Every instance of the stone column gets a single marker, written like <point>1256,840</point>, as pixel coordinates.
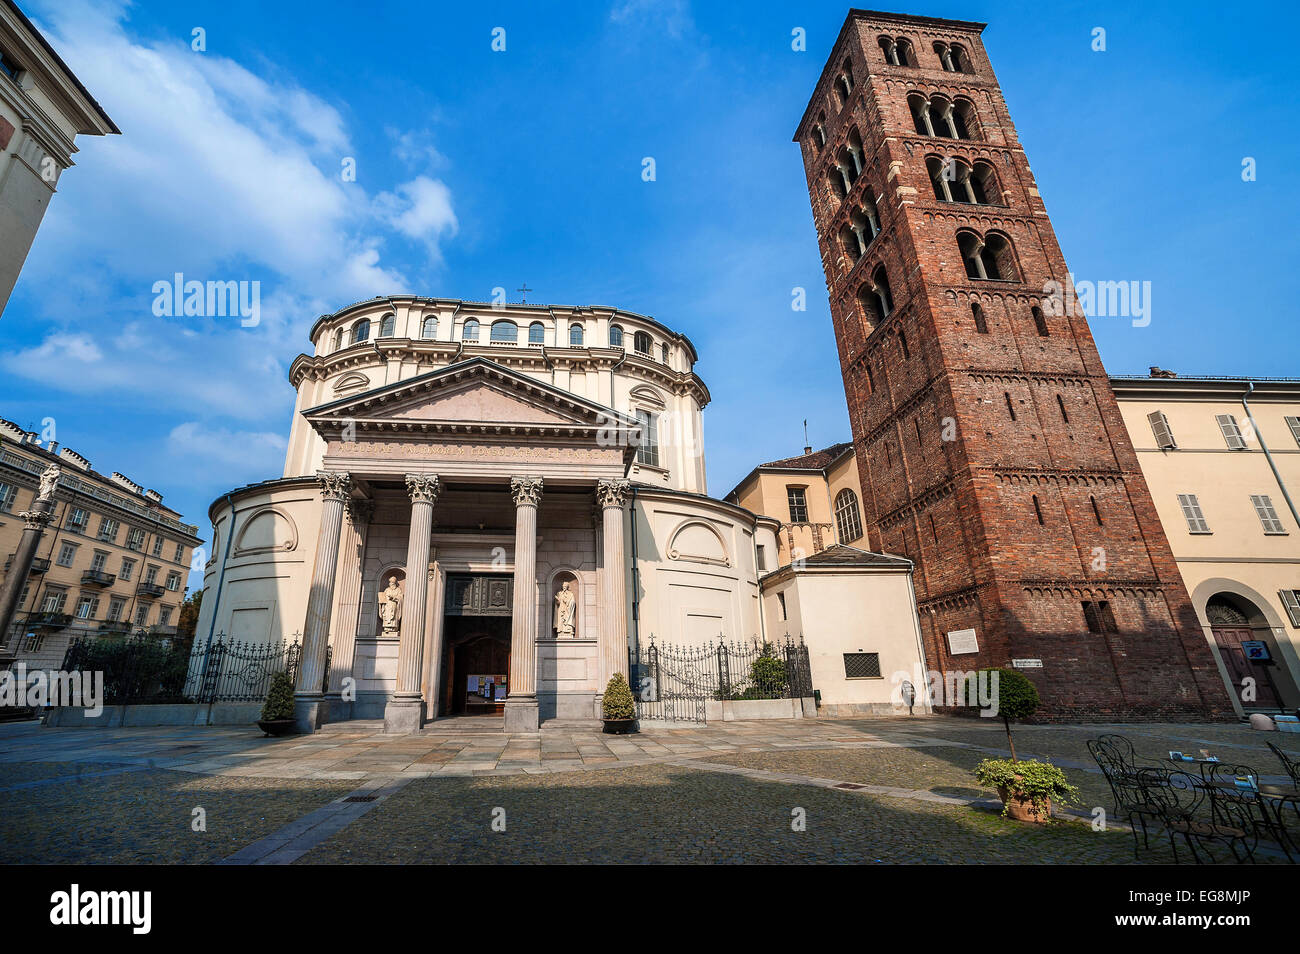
<point>521,702</point>
<point>351,557</point>
<point>405,711</point>
<point>611,495</point>
<point>310,708</point>
<point>34,522</point>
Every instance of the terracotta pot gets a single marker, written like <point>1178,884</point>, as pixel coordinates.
<point>276,726</point>
<point>1022,809</point>
<point>620,726</point>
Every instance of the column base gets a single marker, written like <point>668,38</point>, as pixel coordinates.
<point>310,712</point>
<point>404,715</point>
<point>522,714</point>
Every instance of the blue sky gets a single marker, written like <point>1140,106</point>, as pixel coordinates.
<point>478,169</point>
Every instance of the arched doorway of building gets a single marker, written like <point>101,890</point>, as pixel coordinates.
<point>1235,621</point>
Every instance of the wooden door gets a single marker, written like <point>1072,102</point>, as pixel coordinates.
<point>1228,639</point>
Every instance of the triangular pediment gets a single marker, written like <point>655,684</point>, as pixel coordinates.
<point>474,394</point>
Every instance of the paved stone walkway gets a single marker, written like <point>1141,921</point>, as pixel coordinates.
<point>338,777</point>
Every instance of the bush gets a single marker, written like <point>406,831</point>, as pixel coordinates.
<point>617,702</point>
<point>1037,781</point>
<point>768,674</point>
<point>279,701</point>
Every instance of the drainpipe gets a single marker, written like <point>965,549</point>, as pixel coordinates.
<point>1250,387</point>
<point>920,642</point>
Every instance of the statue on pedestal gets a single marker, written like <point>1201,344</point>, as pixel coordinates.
<point>390,608</point>
<point>565,611</point>
<point>49,480</point>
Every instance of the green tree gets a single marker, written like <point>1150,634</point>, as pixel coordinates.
<point>1015,697</point>
<point>279,701</point>
<point>617,702</point>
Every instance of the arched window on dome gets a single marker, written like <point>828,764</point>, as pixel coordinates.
<point>338,340</point>
<point>848,519</point>
<point>616,336</point>
<point>641,343</point>
<point>361,331</point>
<point>537,333</point>
<point>430,327</point>
<point>663,353</point>
<point>388,326</point>
<point>575,335</point>
<point>470,331</point>
<point>504,332</point>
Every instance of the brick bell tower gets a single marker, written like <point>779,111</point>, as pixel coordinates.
<point>990,447</point>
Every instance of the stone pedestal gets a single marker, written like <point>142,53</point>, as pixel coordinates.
<point>567,674</point>
<point>405,712</point>
<point>521,705</point>
<point>309,708</point>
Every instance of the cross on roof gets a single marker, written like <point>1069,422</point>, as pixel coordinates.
<point>523,293</point>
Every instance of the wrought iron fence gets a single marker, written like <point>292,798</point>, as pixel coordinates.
<point>144,669</point>
<point>673,683</point>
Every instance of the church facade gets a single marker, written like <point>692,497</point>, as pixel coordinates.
<point>484,509</point>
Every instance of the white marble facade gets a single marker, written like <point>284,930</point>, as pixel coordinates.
<point>445,461</point>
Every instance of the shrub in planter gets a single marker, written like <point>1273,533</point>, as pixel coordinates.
<point>1016,698</point>
<point>1026,787</point>
<point>279,701</point>
<point>618,707</point>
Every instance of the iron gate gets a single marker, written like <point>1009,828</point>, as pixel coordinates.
<point>674,683</point>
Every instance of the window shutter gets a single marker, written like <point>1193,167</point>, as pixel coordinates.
<point>1231,433</point>
<point>1294,424</point>
<point>1160,427</point>
<point>1192,512</point>
<point>1291,600</point>
<point>1267,515</point>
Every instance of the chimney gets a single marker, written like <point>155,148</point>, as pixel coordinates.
<point>807,449</point>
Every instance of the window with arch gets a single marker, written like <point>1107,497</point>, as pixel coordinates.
<point>388,326</point>
<point>575,335</point>
<point>953,58</point>
<point>848,519</point>
<point>844,83</point>
<point>663,353</point>
<point>504,332</point>
<point>361,331</point>
<point>953,180</point>
<point>990,258</point>
<point>874,300</point>
<point>641,343</point>
<point>819,133</point>
<point>429,327</point>
<point>898,51</point>
<point>981,323</point>
<point>470,331</point>
<point>536,333</point>
<point>338,340</point>
<point>938,116</point>
<point>616,336</point>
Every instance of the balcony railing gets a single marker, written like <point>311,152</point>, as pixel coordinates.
<point>98,578</point>
<point>150,591</point>
<point>49,620</point>
<point>111,627</point>
<point>39,564</point>
<point>162,629</point>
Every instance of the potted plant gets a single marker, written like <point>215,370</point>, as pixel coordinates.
<point>618,707</point>
<point>1026,787</point>
<point>277,712</point>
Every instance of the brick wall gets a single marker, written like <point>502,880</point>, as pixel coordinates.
<point>998,461</point>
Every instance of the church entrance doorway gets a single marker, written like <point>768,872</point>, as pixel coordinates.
<point>476,637</point>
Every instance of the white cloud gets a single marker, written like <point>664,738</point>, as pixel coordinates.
<point>420,209</point>
<point>673,16</point>
<point>259,453</point>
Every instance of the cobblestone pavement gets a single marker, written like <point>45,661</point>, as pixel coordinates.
<point>709,793</point>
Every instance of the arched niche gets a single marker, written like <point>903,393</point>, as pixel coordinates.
<point>267,530</point>
<point>554,587</point>
<point>698,542</point>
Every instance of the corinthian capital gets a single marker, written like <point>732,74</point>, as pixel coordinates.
<point>35,519</point>
<point>333,485</point>
<point>526,490</point>
<point>612,493</point>
<point>423,488</point>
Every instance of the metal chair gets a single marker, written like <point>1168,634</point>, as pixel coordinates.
<point>1115,757</point>
<point>1291,765</point>
<point>1232,821</point>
